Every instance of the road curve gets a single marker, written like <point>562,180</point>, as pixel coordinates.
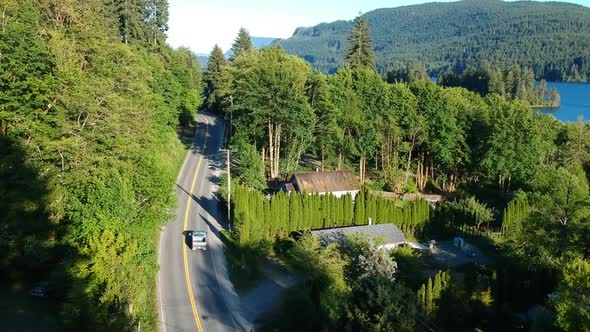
<point>194,290</point>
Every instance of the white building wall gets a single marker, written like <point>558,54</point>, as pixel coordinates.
<point>342,193</point>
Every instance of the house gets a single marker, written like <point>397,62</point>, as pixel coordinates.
<point>391,235</point>
<point>337,183</point>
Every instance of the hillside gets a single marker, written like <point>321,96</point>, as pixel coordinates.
<point>552,38</point>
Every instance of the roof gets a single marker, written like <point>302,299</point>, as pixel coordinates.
<point>388,232</point>
<point>322,182</point>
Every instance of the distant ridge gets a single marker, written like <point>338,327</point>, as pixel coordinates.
<point>551,37</point>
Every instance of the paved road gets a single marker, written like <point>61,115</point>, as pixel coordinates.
<point>195,293</point>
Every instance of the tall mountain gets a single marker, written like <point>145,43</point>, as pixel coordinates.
<point>553,38</point>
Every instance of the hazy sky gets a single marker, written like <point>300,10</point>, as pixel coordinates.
<point>200,24</point>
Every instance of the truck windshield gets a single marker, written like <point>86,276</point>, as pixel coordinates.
<point>199,238</point>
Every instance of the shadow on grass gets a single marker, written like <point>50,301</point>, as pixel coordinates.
<point>242,263</point>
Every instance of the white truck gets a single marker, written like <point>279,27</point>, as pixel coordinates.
<point>199,240</point>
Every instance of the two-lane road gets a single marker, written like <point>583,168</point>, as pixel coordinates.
<point>195,293</point>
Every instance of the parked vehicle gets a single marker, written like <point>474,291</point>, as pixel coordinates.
<point>40,290</point>
<point>199,240</point>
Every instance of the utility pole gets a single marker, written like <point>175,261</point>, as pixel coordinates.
<point>228,189</point>
<point>231,115</point>
<point>227,159</point>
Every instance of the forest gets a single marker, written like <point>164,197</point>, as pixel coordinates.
<point>90,104</point>
<point>512,83</point>
<point>93,102</point>
<point>516,180</point>
<point>550,38</point>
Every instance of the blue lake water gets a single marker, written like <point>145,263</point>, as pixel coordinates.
<point>575,101</point>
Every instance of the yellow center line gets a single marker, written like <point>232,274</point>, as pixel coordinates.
<point>186,214</point>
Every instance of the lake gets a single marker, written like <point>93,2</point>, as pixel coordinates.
<point>575,101</point>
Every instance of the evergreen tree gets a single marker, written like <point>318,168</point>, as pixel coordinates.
<point>318,215</point>
<point>325,223</point>
<point>276,212</point>
<point>266,224</point>
<point>144,21</point>
<point>284,217</point>
<point>437,288</point>
<point>217,81</point>
<point>130,15</point>
<point>242,44</point>
<point>359,209</point>
<point>429,298</point>
<point>295,212</point>
<point>422,298</point>
<point>155,19</point>
<point>360,53</point>
<point>371,208</point>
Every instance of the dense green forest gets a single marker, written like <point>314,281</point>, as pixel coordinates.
<point>511,170</point>
<point>91,98</point>
<point>551,38</point>
<point>513,83</point>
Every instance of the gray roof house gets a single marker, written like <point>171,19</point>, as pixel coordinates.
<point>391,235</point>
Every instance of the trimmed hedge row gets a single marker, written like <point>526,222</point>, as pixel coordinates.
<point>257,217</point>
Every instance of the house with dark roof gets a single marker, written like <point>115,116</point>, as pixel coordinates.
<point>391,235</point>
<point>337,183</point>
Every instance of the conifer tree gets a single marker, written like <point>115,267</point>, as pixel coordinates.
<point>406,215</point>
<point>307,210</point>
<point>371,208</point>
<point>217,81</point>
<point>359,209</point>
<point>330,211</point>
<point>266,225</point>
<point>295,212</point>
<point>422,298</point>
<point>155,20</point>
<point>130,16</point>
<point>437,286</point>
<point>348,212</point>
<point>284,215</point>
<point>360,53</point>
<point>429,298</point>
<point>242,44</point>
<point>257,218</point>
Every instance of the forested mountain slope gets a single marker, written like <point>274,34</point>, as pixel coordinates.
<point>90,101</point>
<point>552,38</point>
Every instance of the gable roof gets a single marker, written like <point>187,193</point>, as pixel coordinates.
<point>388,232</point>
<point>322,182</point>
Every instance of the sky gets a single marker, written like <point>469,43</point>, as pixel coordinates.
<point>200,24</point>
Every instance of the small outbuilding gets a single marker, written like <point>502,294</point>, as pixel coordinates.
<point>389,233</point>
